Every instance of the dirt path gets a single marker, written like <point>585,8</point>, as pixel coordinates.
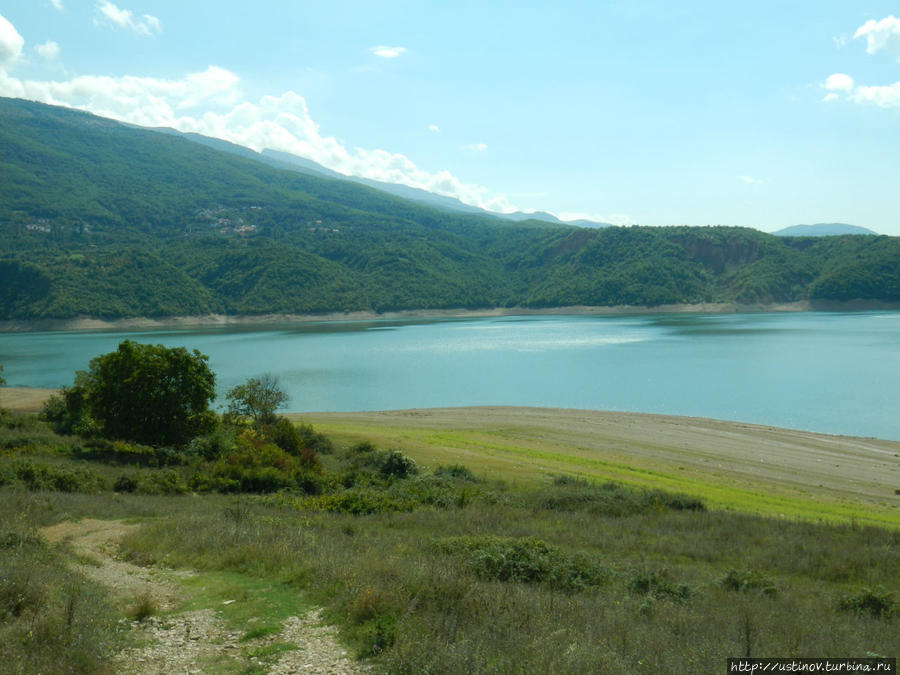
<point>195,641</point>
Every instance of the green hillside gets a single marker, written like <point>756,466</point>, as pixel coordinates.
<point>104,219</point>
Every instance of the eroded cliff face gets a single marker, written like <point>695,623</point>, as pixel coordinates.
<point>720,255</point>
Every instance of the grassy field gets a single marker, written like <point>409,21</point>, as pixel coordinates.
<point>738,467</point>
<point>520,540</point>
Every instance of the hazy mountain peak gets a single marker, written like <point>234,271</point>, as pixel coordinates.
<point>822,230</point>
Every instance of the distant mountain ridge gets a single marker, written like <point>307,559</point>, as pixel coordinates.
<point>418,194</point>
<point>822,230</point>
<point>107,220</point>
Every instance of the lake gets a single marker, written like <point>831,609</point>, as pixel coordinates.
<point>827,372</point>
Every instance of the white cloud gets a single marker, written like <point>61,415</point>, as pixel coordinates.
<point>880,34</point>
<point>152,23</point>
<point>11,42</point>
<point>749,180</point>
<point>839,82</point>
<point>885,96</point>
<point>49,50</point>
<point>386,52</point>
<point>477,147</point>
<point>210,103</point>
<point>435,128</point>
<point>147,25</point>
<point>58,4</point>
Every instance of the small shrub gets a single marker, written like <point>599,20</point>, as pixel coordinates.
<point>611,499</point>
<point>876,602</point>
<point>128,453</point>
<point>18,421</point>
<point>213,445</point>
<point>260,467</point>
<point>161,483</point>
<point>143,608</point>
<point>377,635</point>
<point>367,605</point>
<point>12,539</point>
<point>149,482</point>
<point>397,465</point>
<point>64,411</point>
<point>284,434</point>
<point>390,464</point>
<point>359,502</point>
<point>315,441</point>
<point>457,472</point>
<point>126,483</point>
<point>749,580</point>
<point>657,585</point>
<point>36,476</point>
<point>526,560</point>
<point>565,479</point>
<point>362,448</point>
<point>21,593</point>
<point>426,490</point>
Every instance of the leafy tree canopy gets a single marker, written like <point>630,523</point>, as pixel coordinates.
<point>149,394</point>
<point>257,398</point>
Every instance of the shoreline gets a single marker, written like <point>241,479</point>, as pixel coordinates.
<point>219,320</point>
<point>31,399</point>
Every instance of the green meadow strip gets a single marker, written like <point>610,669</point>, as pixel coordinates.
<point>762,499</point>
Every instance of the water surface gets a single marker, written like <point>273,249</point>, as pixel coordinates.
<point>827,372</point>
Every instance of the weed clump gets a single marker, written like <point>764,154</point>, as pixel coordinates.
<point>455,472</point>
<point>359,501</point>
<point>36,476</point>
<point>875,602</point>
<point>143,608</point>
<point>749,581</point>
<point>166,482</point>
<point>388,463</point>
<point>657,585</point>
<point>526,560</point>
<point>568,493</point>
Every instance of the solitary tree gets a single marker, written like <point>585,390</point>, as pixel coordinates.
<point>145,393</point>
<point>257,398</point>
<point>2,381</point>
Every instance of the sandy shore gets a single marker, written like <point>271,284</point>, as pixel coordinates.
<point>24,399</point>
<point>145,323</point>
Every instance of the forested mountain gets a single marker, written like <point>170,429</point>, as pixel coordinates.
<point>103,219</point>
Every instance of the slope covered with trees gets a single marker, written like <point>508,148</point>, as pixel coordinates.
<point>103,219</point>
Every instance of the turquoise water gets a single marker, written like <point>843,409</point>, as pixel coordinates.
<point>832,373</point>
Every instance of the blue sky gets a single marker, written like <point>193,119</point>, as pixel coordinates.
<point>763,114</point>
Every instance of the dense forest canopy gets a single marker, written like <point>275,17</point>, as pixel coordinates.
<point>107,220</point>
